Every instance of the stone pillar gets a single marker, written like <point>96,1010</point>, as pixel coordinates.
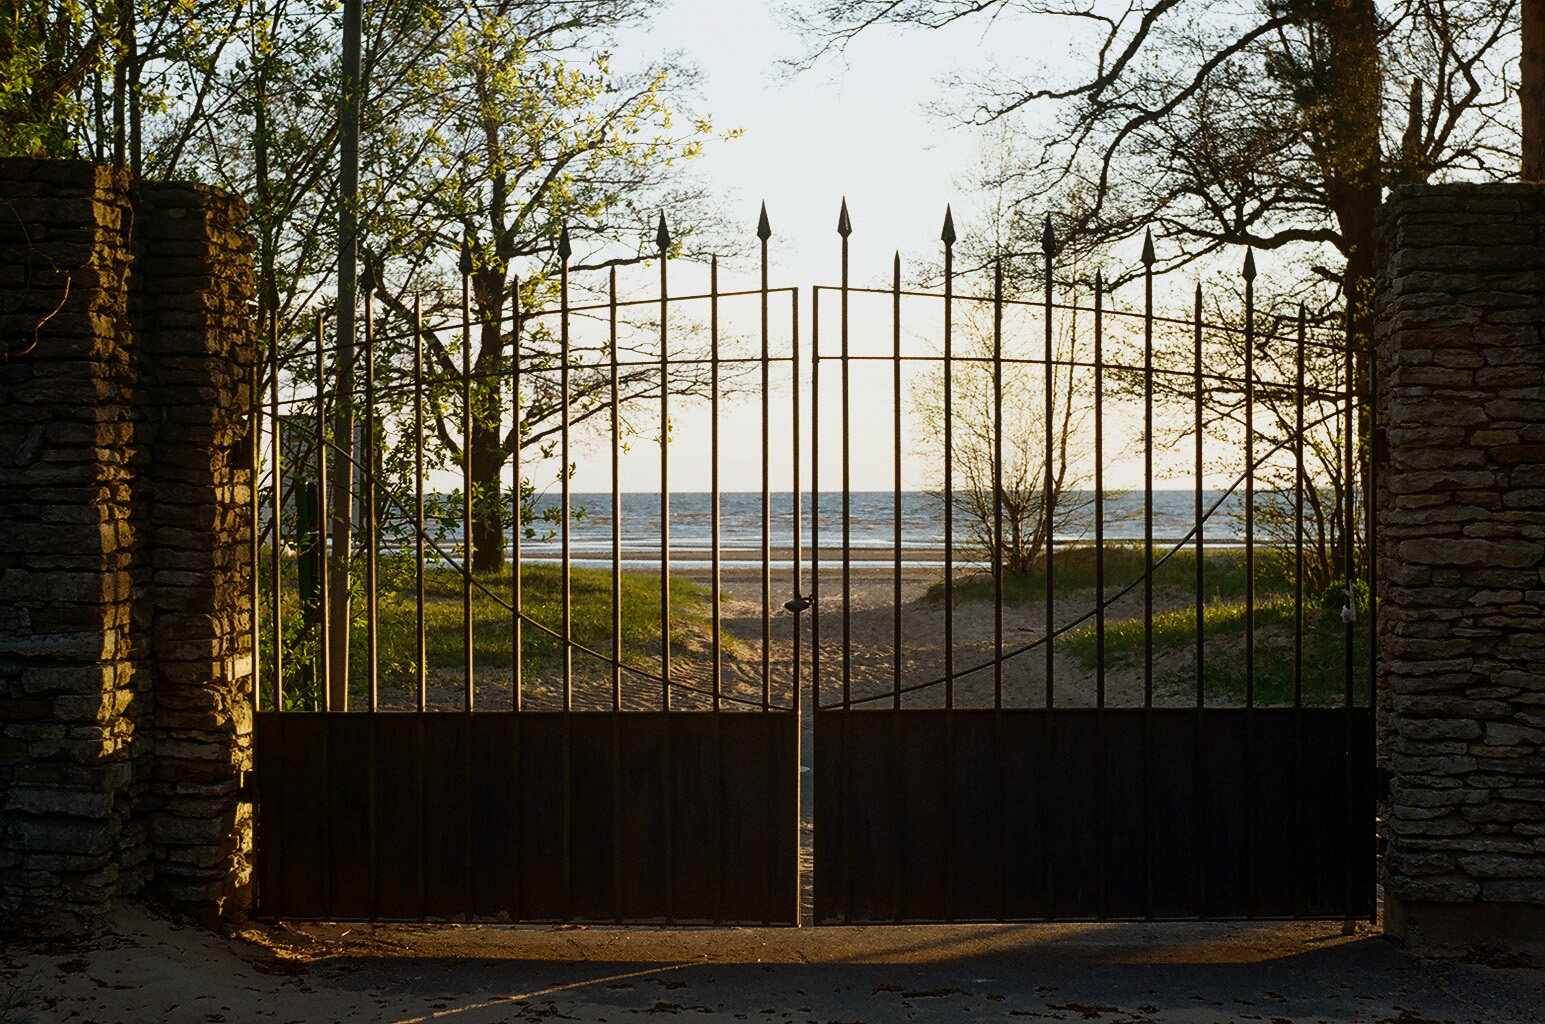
<point>124,567</point>
<point>1461,398</point>
<point>74,676</point>
<point>190,301</point>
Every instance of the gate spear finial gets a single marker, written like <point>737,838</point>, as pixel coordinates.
<point>844,226</point>
<point>947,236</point>
<point>763,229</point>
<point>662,235</point>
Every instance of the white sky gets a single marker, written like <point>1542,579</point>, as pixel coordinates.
<point>855,126</point>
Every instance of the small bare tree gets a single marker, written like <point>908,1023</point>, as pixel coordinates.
<point>999,436</point>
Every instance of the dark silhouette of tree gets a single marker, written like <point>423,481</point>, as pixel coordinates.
<point>1273,125</point>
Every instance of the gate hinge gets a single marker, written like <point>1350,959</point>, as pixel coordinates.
<point>1380,446</point>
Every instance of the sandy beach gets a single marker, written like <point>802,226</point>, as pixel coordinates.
<point>864,642</point>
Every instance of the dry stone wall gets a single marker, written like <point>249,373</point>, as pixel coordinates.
<point>124,567</point>
<point>1461,519</point>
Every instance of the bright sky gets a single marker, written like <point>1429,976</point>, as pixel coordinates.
<point>857,130</point>
<point>854,126</point>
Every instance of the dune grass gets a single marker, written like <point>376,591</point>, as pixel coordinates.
<point>1224,622</point>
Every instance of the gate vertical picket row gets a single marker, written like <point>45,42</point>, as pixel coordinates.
<point>1059,731</point>
<point>616,787</point>
<point>938,798</point>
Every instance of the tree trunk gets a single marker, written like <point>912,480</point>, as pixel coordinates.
<point>487,445</point>
<point>1531,90</point>
<point>1354,182</point>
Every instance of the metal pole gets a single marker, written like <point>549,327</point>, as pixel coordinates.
<point>322,662</point>
<point>276,500</point>
<point>565,250</point>
<point>337,615</point>
<point>468,668</point>
<point>844,229</point>
<point>369,461</point>
<point>1148,261</point>
<point>997,484</point>
<point>947,236</point>
<point>1048,494</point>
<point>418,507</point>
<point>663,242</point>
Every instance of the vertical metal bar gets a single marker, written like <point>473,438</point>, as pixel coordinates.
<point>1148,822</point>
<point>1349,619</point>
<point>663,240</point>
<point>1099,588</point>
<point>998,566</point>
<point>564,251</point>
<point>1198,760</point>
<point>763,233</point>
<point>1148,261</point>
<point>466,473</point>
<point>947,236</point>
<point>421,642</point>
<point>611,320</point>
<point>323,661</point>
<point>1249,275</point>
<point>896,473</point>
<point>716,640</point>
<point>276,499</point>
<point>1298,521</point>
<point>255,525</point>
<point>1250,774</point>
<point>372,528</point>
<point>797,602</point>
<point>1297,809</point>
<point>1048,494</point>
<point>1201,524</point>
<point>1349,520</point>
<point>517,506</point>
<point>1099,500</point>
<point>845,228</point>
<point>715,648</point>
<point>815,498</point>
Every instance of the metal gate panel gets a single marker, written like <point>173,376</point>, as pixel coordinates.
<point>1082,813</point>
<point>602,816</point>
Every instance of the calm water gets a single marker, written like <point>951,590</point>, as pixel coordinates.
<point>872,521</point>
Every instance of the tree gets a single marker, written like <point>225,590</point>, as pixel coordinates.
<point>1273,124</point>
<point>998,435</point>
<point>998,483</point>
<point>1531,91</point>
<point>588,158</point>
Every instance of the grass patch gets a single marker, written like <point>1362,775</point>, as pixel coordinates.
<point>1224,629</point>
<point>1077,568</point>
<point>541,602</point>
<point>1075,574</point>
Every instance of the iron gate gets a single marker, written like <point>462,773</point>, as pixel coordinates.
<point>1114,700</point>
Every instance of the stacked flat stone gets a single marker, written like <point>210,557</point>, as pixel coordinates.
<point>1461,520</point>
<point>124,561</point>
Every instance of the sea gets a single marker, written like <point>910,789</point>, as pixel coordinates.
<point>871,523</point>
